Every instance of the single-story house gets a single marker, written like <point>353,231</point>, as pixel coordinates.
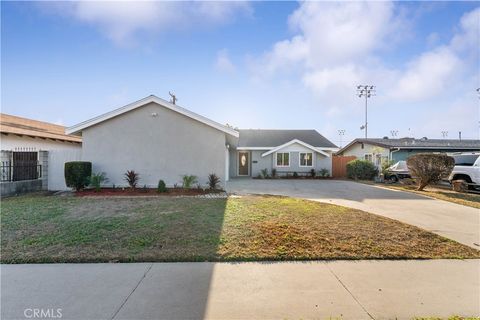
<point>161,140</point>
<point>379,150</point>
<point>32,154</point>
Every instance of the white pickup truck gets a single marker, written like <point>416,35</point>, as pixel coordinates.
<point>467,168</point>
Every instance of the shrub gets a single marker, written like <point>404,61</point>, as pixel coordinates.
<point>295,174</point>
<point>97,179</point>
<point>386,165</point>
<point>77,174</point>
<point>132,178</point>
<point>161,187</point>
<point>324,172</point>
<point>274,173</point>
<point>312,173</point>
<point>429,168</point>
<point>264,173</point>
<point>361,169</point>
<point>189,180</point>
<point>213,181</point>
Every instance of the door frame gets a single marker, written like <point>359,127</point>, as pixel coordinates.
<point>248,163</point>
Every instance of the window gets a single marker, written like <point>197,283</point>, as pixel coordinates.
<point>369,157</point>
<point>378,160</point>
<point>306,159</point>
<point>465,160</point>
<point>283,159</point>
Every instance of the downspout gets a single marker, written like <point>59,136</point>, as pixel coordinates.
<point>391,153</point>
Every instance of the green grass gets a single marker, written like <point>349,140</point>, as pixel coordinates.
<point>39,228</point>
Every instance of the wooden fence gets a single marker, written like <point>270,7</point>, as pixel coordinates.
<point>339,165</point>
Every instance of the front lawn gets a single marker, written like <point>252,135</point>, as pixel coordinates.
<point>466,199</point>
<point>39,228</point>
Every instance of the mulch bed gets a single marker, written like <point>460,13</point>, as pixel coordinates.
<point>143,192</point>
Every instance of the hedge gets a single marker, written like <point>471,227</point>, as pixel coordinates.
<point>361,169</point>
<point>77,174</point>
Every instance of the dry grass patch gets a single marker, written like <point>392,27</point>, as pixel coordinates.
<point>72,229</point>
<point>466,199</point>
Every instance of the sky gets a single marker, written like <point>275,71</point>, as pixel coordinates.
<point>271,65</point>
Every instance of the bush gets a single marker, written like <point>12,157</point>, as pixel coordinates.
<point>361,169</point>
<point>97,179</point>
<point>188,181</point>
<point>161,187</point>
<point>132,178</point>
<point>77,174</point>
<point>295,174</point>
<point>386,165</point>
<point>213,181</point>
<point>429,168</point>
<point>313,173</point>
<point>324,172</point>
<point>264,173</point>
<point>274,173</point>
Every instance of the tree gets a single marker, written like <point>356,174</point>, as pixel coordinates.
<point>428,168</point>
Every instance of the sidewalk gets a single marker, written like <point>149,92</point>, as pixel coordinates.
<point>280,290</point>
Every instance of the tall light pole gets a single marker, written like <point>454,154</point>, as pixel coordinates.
<point>341,133</point>
<point>366,91</point>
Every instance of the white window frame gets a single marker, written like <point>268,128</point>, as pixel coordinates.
<point>300,160</point>
<point>368,154</point>
<point>276,160</point>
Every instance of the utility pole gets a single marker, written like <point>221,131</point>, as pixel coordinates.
<point>445,134</point>
<point>394,133</point>
<point>366,91</point>
<point>341,133</point>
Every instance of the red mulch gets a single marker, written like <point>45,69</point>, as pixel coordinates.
<point>142,192</point>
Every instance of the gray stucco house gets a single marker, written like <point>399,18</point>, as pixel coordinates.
<point>161,140</point>
<point>378,150</point>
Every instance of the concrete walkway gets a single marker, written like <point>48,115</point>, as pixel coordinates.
<point>284,290</point>
<point>457,222</point>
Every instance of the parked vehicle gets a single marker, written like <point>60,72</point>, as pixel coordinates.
<point>397,171</point>
<point>467,169</point>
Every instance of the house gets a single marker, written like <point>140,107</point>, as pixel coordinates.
<point>379,150</point>
<point>32,154</point>
<point>286,151</point>
<point>161,140</point>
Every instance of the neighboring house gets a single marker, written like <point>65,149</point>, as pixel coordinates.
<point>34,150</point>
<point>161,140</point>
<point>286,151</point>
<point>378,150</point>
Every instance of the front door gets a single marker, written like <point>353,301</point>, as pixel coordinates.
<point>243,163</point>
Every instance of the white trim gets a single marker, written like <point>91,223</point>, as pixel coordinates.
<point>368,154</point>
<point>254,148</point>
<point>299,142</point>
<point>248,164</point>
<point>227,164</point>
<point>300,160</point>
<point>76,129</point>
<point>276,163</point>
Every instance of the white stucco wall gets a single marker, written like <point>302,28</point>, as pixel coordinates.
<point>165,146</point>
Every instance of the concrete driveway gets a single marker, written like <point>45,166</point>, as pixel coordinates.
<point>284,290</point>
<point>450,220</point>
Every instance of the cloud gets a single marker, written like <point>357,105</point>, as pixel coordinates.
<point>121,21</point>
<point>223,62</point>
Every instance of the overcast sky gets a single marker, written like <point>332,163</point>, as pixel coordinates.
<point>253,65</point>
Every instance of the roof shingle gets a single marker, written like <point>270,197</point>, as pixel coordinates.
<point>274,138</point>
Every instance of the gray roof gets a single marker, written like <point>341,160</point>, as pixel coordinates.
<point>274,138</point>
<point>411,143</point>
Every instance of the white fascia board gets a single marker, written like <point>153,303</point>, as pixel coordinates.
<point>76,129</point>
<point>254,148</point>
<point>299,142</point>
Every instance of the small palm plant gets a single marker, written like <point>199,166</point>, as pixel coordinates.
<point>213,181</point>
<point>97,179</point>
<point>132,178</point>
<point>189,180</point>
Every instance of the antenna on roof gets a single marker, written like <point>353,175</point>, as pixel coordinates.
<point>445,134</point>
<point>394,133</point>
<point>173,99</point>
